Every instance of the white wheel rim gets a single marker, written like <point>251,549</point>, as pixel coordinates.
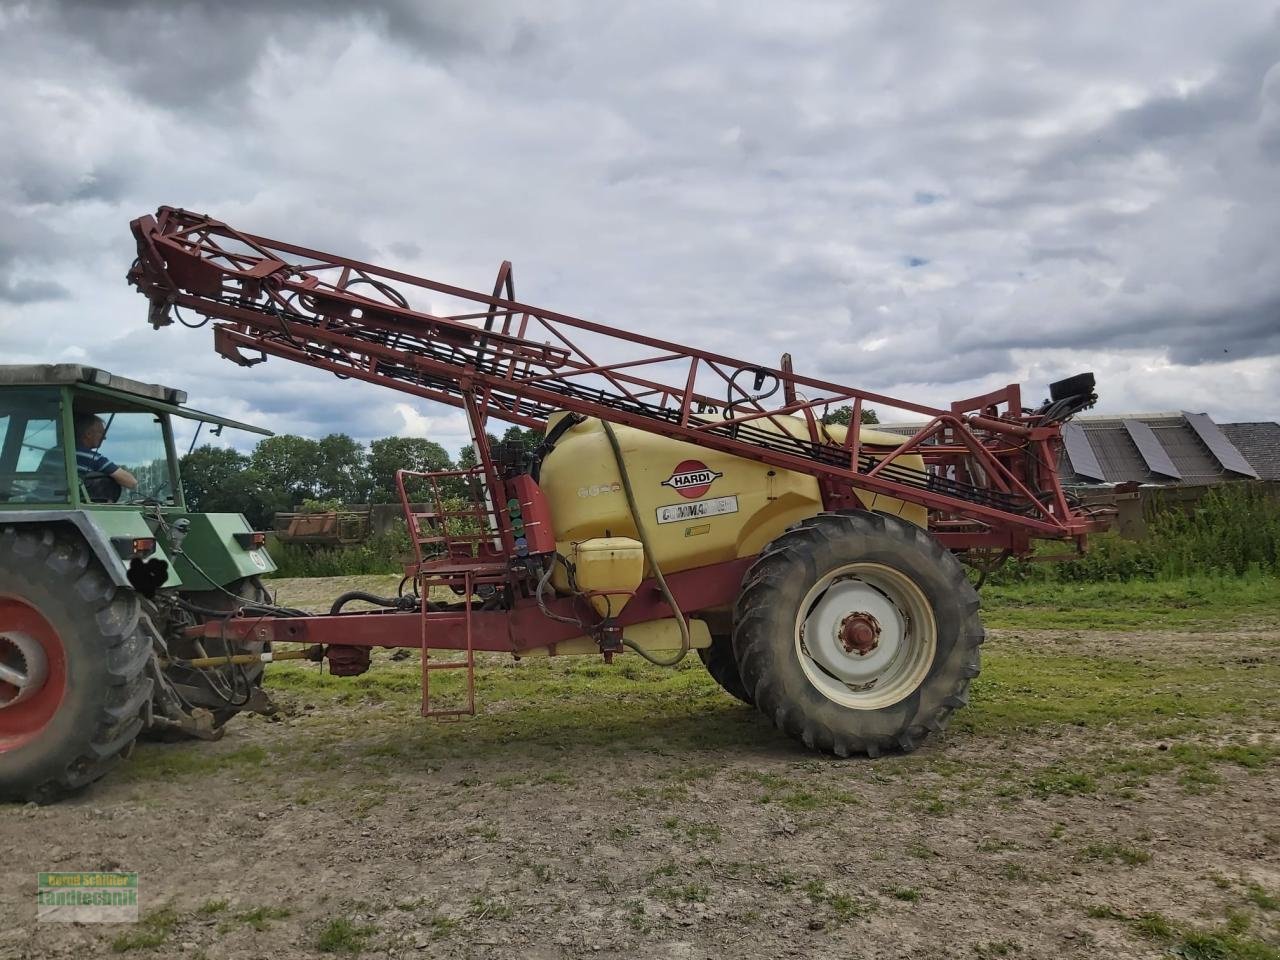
<point>866,636</point>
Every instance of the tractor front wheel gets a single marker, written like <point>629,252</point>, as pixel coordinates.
<point>857,633</point>
<point>74,689</point>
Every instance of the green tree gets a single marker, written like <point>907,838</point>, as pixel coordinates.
<point>288,467</point>
<point>467,455</point>
<point>219,480</point>
<point>525,438</point>
<point>341,469</point>
<point>207,473</point>
<point>842,416</point>
<point>390,454</point>
<point>528,437</point>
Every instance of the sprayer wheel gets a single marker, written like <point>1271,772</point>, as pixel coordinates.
<point>720,663</point>
<point>857,632</point>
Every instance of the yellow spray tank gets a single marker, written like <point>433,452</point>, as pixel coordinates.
<point>699,506</point>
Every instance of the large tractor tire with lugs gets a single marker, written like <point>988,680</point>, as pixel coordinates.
<point>857,633</point>
<point>241,682</point>
<point>74,648</point>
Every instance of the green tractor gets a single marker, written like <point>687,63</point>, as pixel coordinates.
<point>102,568</point>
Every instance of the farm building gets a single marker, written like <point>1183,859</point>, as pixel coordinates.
<point>1127,462</point>
<point>1168,449</point>
<point>1159,449</point>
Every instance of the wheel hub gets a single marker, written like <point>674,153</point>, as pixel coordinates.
<point>33,673</point>
<point>860,633</point>
<point>854,632</point>
<point>866,635</point>
<point>23,668</point>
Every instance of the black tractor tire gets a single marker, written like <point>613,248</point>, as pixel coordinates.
<point>106,646</point>
<point>768,640</point>
<point>720,663</point>
<point>245,589</point>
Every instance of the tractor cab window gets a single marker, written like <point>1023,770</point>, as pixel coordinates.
<point>113,447</point>
<point>33,467</point>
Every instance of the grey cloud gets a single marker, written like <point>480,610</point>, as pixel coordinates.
<point>189,53</point>
<point>20,292</point>
<point>405,249</point>
<point>26,247</point>
<point>1083,254</point>
<point>749,179</point>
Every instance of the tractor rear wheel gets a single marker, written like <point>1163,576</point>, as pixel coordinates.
<point>857,633</point>
<point>74,648</point>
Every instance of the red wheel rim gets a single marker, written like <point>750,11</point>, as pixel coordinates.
<point>22,722</point>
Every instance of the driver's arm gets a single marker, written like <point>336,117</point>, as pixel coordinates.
<point>119,474</point>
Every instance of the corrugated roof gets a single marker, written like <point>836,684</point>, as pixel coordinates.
<point>1117,453</point>
<point>1100,448</point>
<point>1259,443</point>
<point>1169,449</point>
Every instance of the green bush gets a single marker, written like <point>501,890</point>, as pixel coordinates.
<point>1234,530</point>
<point>385,554</point>
<point>332,505</point>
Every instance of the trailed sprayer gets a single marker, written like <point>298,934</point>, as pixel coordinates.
<point>679,499</point>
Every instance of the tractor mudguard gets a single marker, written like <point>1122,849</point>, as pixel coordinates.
<point>213,557</point>
<point>210,542</point>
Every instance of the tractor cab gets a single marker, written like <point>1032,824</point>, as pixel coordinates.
<point>78,437</point>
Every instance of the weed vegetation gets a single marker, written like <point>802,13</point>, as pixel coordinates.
<point>385,554</point>
<point>1234,530</point>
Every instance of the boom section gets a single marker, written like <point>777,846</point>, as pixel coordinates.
<point>990,474</point>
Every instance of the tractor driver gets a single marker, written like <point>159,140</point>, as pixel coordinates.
<point>101,478</point>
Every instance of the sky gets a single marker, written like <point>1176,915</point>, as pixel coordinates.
<point>923,200</point>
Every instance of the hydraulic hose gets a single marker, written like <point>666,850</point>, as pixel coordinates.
<point>542,587</point>
<point>246,608</point>
<point>400,603</point>
<point>685,640</point>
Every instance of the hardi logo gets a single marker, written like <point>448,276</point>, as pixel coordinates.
<point>691,478</point>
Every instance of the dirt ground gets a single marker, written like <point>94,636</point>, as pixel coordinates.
<point>634,814</point>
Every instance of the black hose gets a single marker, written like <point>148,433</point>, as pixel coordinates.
<point>246,608</point>
<point>542,586</point>
<point>400,603</point>
<point>685,640</point>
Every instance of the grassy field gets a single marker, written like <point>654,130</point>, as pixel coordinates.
<point>1110,791</point>
<point>1202,603</point>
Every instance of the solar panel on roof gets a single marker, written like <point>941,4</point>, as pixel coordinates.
<point>1157,459</point>
<point>1083,460</point>
<point>1218,444</point>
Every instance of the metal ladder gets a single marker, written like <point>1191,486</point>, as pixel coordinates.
<point>430,665</point>
<point>460,561</point>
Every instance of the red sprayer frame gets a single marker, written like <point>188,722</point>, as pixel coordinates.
<point>990,481</point>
